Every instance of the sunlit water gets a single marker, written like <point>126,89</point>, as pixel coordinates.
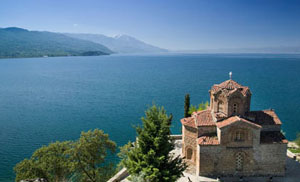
<point>47,99</point>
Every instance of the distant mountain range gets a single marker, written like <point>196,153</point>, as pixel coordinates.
<point>18,42</point>
<point>120,43</point>
<point>257,50</point>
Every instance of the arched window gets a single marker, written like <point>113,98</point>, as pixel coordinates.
<point>239,161</point>
<point>239,136</point>
<point>189,153</point>
<point>220,106</point>
<point>235,108</point>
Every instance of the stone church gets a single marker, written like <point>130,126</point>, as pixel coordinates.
<point>228,139</point>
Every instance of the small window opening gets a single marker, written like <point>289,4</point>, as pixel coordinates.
<point>239,136</point>
<point>239,161</point>
<point>220,106</point>
<point>189,154</point>
<point>235,108</point>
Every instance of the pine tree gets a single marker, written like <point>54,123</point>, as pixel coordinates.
<point>187,105</point>
<point>151,154</point>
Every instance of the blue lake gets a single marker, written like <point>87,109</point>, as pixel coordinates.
<point>47,99</point>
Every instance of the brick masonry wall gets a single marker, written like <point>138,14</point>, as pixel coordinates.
<point>252,135</point>
<point>272,159</point>
<point>260,160</point>
<point>189,141</point>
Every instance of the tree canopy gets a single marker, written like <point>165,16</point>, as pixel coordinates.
<point>201,107</point>
<point>88,155</point>
<point>48,162</point>
<point>150,155</point>
<point>81,160</point>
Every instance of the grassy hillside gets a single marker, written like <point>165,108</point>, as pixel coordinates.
<point>17,42</point>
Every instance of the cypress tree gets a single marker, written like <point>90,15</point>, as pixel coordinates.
<point>187,105</point>
<point>151,154</point>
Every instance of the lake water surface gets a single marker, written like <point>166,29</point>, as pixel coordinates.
<point>47,99</point>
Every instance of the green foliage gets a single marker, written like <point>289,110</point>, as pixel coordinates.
<point>151,153</point>
<point>88,156</point>
<point>49,162</point>
<point>297,150</point>
<point>192,109</point>
<point>81,160</point>
<point>187,105</point>
<point>27,170</point>
<point>139,178</point>
<point>17,42</point>
<point>201,107</point>
<point>124,150</point>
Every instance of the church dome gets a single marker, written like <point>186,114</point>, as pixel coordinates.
<point>229,86</point>
<point>229,98</point>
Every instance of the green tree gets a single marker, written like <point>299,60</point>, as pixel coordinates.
<point>124,150</point>
<point>88,156</point>
<point>187,105</point>
<point>201,107</point>
<point>49,162</point>
<point>82,160</point>
<point>151,154</point>
<point>192,109</point>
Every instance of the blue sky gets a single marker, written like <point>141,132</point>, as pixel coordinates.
<point>172,24</point>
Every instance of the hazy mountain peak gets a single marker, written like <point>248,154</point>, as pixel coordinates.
<point>120,43</point>
<point>124,37</point>
<point>15,29</point>
<point>118,36</point>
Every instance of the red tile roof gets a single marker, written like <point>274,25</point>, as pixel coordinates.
<point>190,121</point>
<point>199,118</point>
<point>265,117</point>
<point>234,119</point>
<point>230,85</point>
<point>208,140</point>
<point>204,118</point>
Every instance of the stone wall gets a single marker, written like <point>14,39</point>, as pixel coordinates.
<point>189,143</point>
<point>251,135</point>
<point>238,99</point>
<point>221,103</point>
<point>272,159</point>
<point>255,158</point>
<point>259,160</point>
<point>208,157</point>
